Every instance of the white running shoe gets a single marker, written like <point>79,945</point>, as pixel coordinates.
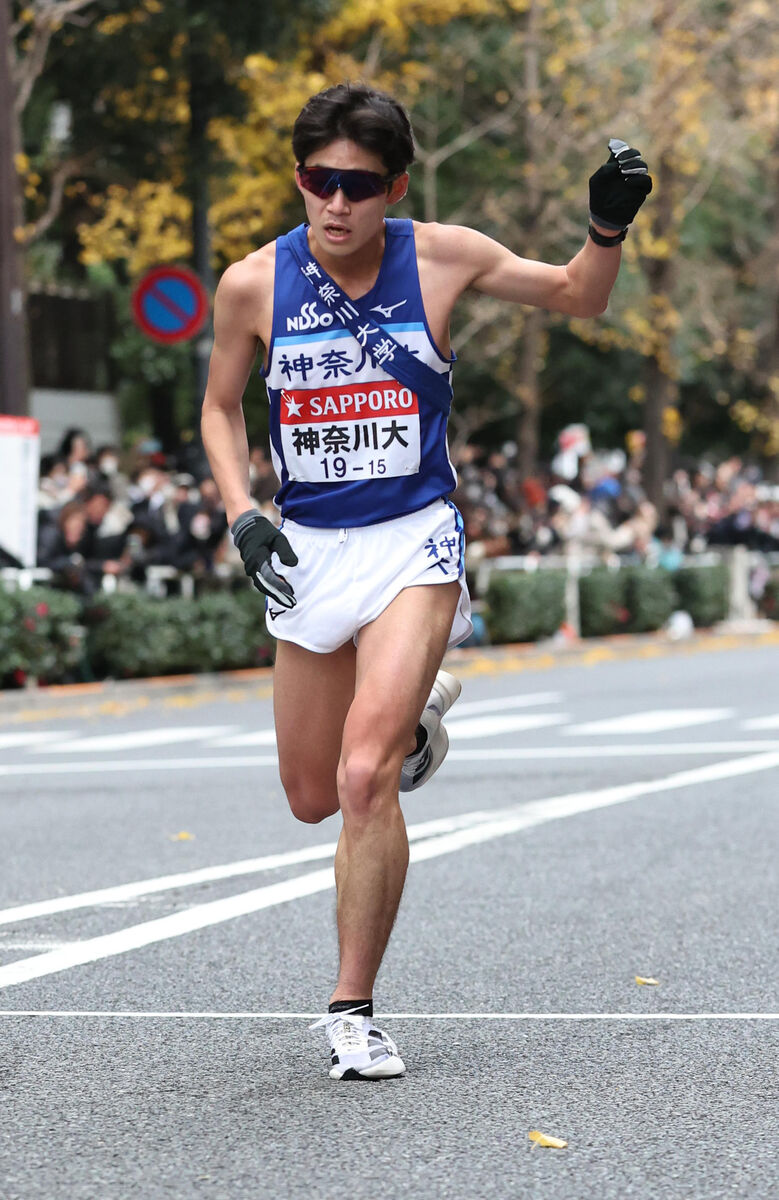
<point>358,1050</point>
<point>423,764</point>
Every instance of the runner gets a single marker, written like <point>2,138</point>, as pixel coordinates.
<point>352,311</point>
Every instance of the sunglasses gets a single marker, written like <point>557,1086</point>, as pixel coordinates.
<point>355,185</point>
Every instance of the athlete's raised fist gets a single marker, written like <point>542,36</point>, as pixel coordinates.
<point>619,187</point>
<point>257,539</point>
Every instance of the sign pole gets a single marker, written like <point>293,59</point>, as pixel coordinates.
<point>13,339</point>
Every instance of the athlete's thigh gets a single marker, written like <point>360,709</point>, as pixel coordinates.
<point>398,656</point>
<point>311,697</point>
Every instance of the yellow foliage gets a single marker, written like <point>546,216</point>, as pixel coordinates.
<point>22,163</point>
<point>395,19</point>
<point>144,225</point>
<point>672,425</point>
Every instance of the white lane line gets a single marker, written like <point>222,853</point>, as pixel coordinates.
<point>124,892</point>
<point>501,823</point>
<point>36,944</point>
<point>653,721</point>
<point>490,726</point>
<point>99,767</point>
<point>502,703</point>
<point>651,750</point>
<point>771,722</point>
<point>10,740</point>
<point>135,738</point>
<point>123,1015</point>
<point>257,737</point>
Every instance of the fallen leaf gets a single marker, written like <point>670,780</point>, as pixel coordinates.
<point>182,837</point>
<point>543,1139</point>
<point>650,982</point>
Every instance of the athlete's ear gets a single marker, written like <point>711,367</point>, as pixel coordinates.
<point>398,189</point>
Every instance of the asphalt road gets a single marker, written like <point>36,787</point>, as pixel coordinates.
<point>595,821</point>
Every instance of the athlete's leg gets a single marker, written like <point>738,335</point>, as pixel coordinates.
<point>311,697</point>
<point>397,659</point>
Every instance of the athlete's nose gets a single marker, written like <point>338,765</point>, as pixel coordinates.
<point>338,202</point>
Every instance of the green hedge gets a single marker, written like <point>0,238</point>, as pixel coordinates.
<point>525,606</point>
<point>55,637</point>
<point>703,592</point>
<point>769,601</point>
<point>135,635</point>
<point>41,636</point>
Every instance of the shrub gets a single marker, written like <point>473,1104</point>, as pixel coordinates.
<point>603,602</point>
<point>138,635</point>
<point>525,606</point>
<point>769,601</point>
<point>40,636</point>
<point>703,592</point>
<point>650,598</point>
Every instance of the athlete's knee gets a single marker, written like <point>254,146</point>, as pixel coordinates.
<point>367,780</point>
<point>308,800</point>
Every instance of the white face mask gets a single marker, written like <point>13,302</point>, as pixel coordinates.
<point>200,527</point>
<point>109,466</point>
<point>147,483</point>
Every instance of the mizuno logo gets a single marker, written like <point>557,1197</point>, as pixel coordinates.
<point>387,310</point>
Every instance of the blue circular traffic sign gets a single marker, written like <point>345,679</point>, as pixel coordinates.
<point>170,304</point>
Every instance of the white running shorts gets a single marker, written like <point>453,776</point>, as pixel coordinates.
<point>346,577</point>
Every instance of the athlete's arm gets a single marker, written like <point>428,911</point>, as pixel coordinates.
<point>235,349</point>
<point>582,287</point>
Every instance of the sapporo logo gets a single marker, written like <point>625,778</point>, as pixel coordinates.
<point>309,318</point>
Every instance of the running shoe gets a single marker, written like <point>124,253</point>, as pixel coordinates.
<point>423,764</point>
<point>358,1050</point>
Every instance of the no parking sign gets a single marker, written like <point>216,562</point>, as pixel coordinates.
<point>170,304</point>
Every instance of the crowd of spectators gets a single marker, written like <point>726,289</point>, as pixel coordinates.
<point>104,513</point>
<point>592,504</point>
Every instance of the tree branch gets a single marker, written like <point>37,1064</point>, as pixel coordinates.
<point>65,171</point>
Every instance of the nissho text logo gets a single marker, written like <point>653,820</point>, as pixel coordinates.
<point>309,318</point>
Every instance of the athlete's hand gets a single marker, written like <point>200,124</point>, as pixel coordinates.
<point>619,187</point>
<point>257,538</point>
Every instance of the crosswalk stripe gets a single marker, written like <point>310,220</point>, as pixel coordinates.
<point>9,741</point>
<point>652,721</point>
<point>256,737</point>
<point>502,703</point>
<point>135,738</point>
<point>489,726</point>
<point>771,722</point>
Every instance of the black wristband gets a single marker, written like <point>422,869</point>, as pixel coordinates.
<point>600,239</point>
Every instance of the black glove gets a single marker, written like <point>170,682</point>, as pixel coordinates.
<point>257,538</point>
<point>619,187</point>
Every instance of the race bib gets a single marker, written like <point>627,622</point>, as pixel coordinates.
<point>359,431</point>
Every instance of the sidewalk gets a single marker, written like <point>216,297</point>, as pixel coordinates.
<point>118,697</point>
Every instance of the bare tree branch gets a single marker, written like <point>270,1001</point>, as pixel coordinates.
<point>65,171</point>
<point>49,15</point>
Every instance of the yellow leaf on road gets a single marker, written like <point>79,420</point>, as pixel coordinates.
<point>182,837</point>
<point>543,1139</point>
<point>651,982</point>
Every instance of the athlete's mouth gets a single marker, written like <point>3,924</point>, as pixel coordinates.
<point>334,227</point>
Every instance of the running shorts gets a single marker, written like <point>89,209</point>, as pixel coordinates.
<point>346,577</point>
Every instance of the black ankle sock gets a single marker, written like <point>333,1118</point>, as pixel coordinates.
<point>362,1008</point>
<point>421,739</point>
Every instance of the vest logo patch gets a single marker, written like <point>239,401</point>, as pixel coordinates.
<point>309,318</point>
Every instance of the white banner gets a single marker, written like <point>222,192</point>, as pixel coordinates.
<point>19,462</point>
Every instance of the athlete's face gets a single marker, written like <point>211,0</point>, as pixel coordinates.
<point>339,225</point>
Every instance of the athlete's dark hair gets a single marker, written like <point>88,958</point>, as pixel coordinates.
<point>372,119</point>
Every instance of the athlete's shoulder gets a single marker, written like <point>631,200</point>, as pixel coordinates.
<point>448,243</point>
<point>249,273</point>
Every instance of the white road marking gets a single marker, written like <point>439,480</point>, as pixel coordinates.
<point>257,737</point>
<point>252,761</point>
<point>501,823</point>
<point>135,738</point>
<point>479,727</point>
<point>36,944</point>
<point>627,750</point>
<point>771,722</point>
<point>122,1015</point>
<point>10,740</point>
<point>127,892</point>
<point>653,721</point>
<point>502,703</point>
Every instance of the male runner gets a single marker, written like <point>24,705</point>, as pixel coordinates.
<point>372,590</point>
